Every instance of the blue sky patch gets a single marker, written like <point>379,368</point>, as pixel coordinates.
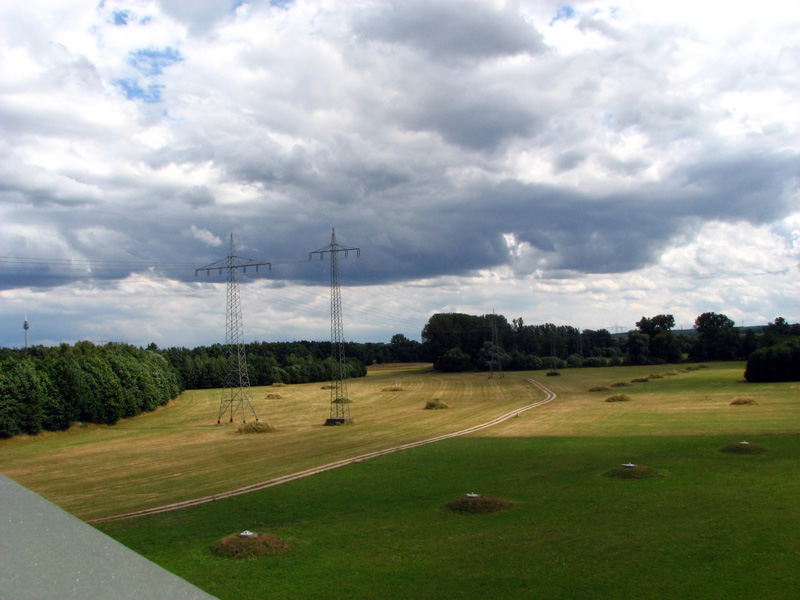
<point>121,17</point>
<point>564,12</point>
<point>133,91</point>
<point>149,61</point>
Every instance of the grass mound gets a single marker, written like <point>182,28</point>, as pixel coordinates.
<point>342,401</point>
<point>598,388</point>
<point>274,397</point>
<point>743,401</point>
<point>618,398</point>
<point>640,380</point>
<point>743,448</point>
<point>255,427</point>
<point>655,376</point>
<point>392,388</point>
<point>621,384</point>
<point>233,546</point>
<point>435,404</point>
<point>632,472</point>
<point>477,505</point>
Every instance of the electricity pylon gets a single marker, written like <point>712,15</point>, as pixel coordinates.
<point>495,359</point>
<point>340,403</point>
<point>236,395</point>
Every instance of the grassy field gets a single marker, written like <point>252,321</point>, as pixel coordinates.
<point>713,525</point>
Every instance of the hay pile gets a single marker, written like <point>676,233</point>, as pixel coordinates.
<point>435,404</point>
<point>632,472</point>
<point>743,401</point>
<point>477,505</point>
<point>233,546</point>
<point>255,427</point>
<point>743,448</point>
<point>618,398</point>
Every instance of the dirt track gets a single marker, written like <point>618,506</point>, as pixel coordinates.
<point>550,396</point>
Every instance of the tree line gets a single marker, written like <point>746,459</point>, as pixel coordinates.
<point>461,342</point>
<point>51,388</point>
<point>269,362</point>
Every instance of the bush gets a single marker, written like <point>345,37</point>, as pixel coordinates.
<point>594,361</point>
<point>274,397</point>
<point>621,384</point>
<point>775,363</point>
<point>618,398</point>
<point>598,388</point>
<point>640,380</point>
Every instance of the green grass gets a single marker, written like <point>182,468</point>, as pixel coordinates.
<point>713,526</point>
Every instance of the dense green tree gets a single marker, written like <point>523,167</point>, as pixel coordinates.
<point>638,348</point>
<point>717,338</point>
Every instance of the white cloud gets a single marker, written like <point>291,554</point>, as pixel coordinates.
<point>600,164</point>
<point>204,235</point>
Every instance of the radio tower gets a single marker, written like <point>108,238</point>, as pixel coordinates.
<point>236,396</point>
<point>495,360</point>
<point>340,403</point>
<point>26,326</point>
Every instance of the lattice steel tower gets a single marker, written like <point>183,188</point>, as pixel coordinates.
<point>340,402</point>
<point>236,396</point>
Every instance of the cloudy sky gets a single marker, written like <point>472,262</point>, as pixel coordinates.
<point>583,163</point>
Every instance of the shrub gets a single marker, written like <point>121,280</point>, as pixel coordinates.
<point>477,505</point>
<point>553,373</point>
<point>233,546</point>
<point>640,380</point>
<point>274,397</point>
<point>342,401</point>
<point>435,404</point>
<point>255,427</point>
<point>621,384</point>
<point>618,398</point>
<point>598,388</point>
<point>655,376</point>
<point>594,361</point>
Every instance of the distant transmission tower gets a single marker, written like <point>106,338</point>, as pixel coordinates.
<point>26,326</point>
<point>340,403</point>
<point>495,360</point>
<point>236,396</point>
